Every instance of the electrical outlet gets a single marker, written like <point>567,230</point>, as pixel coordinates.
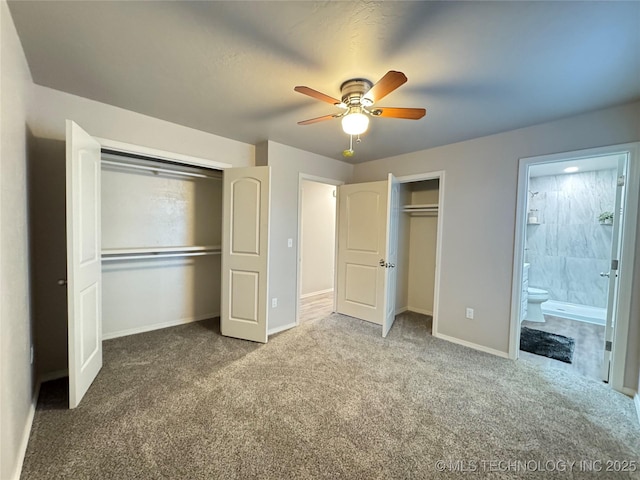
<point>469,313</point>
<point>290,242</point>
<point>274,302</point>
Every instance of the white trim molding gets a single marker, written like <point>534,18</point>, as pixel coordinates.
<point>281,328</point>
<point>626,255</point>
<point>319,292</point>
<point>26,433</point>
<point>158,326</point>
<point>474,346</point>
<point>160,154</point>
<point>636,402</point>
<point>419,310</point>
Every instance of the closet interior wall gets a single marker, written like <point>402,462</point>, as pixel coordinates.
<point>161,235</point>
<point>417,235</point>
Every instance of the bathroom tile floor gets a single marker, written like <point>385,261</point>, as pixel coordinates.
<point>587,357</point>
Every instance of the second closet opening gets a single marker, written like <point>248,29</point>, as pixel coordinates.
<point>417,246</point>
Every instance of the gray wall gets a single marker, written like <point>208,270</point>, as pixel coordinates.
<point>16,373</point>
<point>479,216</point>
<point>287,163</point>
<point>569,248</point>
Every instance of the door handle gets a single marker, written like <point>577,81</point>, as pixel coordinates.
<point>604,274</point>
<point>385,264</point>
<point>62,282</point>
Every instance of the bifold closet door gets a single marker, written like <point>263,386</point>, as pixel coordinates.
<point>245,253</point>
<point>84,273</point>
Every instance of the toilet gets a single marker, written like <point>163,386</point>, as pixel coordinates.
<point>535,298</point>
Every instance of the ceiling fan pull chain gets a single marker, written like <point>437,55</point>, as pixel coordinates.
<point>349,152</point>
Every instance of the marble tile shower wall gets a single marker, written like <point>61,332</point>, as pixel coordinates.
<point>569,248</point>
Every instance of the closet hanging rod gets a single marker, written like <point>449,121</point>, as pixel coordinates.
<point>156,250</point>
<point>423,213</point>
<point>159,170</point>
<point>156,255</point>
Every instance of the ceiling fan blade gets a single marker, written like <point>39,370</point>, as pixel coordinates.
<point>385,85</point>
<point>318,119</point>
<point>393,112</point>
<point>317,95</point>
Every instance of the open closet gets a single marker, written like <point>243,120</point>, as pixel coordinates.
<point>417,241</point>
<point>161,237</point>
<point>387,248</point>
<point>154,240</point>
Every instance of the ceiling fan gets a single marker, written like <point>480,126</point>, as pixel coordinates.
<point>358,97</point>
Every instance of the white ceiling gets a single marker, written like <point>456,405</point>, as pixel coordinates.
<point>229,68</point>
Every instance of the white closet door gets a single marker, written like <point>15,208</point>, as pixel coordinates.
<point>362,238</point>
<point>391,271</point>
<point>245,237</point>
<point>84,274</point>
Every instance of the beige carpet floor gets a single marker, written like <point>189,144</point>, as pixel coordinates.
<point>329,399</point>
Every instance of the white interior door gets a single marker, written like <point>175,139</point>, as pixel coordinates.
<point>612,274</point>
<point>391,256</point>
<point>84,271</point>
<point>362,246</point>
<point>245,253</point>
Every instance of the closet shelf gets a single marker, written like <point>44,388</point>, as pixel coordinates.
<point>422,208</point>
<point>113,254</point>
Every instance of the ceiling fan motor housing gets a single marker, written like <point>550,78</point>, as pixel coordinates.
<point>353,90</point>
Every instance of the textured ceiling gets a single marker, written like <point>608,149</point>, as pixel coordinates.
<point>229,68</point>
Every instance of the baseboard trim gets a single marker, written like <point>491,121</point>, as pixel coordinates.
<point>636,401</point>
<point>281,328</point>
<point>475,346</point>
<point>401,310</point>
<point>420,310</point>
<point>24,442</point>
<point>319,292</point>
<point>157,326</point>
<point>629,392</point>
<point>55,375</point>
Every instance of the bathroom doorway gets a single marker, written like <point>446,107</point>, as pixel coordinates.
<point>316,247</point>
<point>574,261</point>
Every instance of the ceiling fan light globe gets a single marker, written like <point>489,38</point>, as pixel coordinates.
<point>355,123</point>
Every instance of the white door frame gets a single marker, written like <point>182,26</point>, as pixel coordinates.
<point>123,147</point>
<point>326,181</point>
<point>628,232</point>
<point>130,148</point>
<point>436,175</point>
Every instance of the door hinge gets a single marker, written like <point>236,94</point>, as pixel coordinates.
<point>614,264</point>
<point>621,181</point>
<point>607,346</point>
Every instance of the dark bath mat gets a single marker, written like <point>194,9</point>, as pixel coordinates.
<point>547,344</point>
